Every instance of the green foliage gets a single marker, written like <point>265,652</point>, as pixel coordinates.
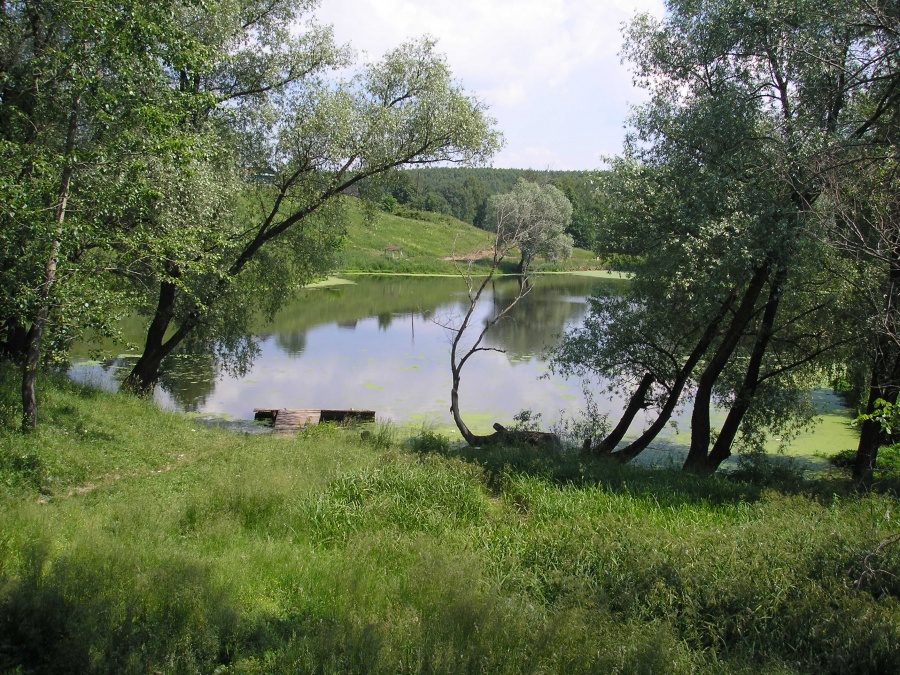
<point>381,437</point>
<point>526,420</point>
<point>532,218</point>
<point>885,414</point>
<point>887,467</point>
<point>97,70</point>
<point>430,441</point>
<point>590,423</point>
<point>388,203</point>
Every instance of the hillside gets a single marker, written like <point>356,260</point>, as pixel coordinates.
<point>428,241</point>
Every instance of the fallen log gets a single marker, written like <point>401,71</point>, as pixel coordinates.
<point>502,435</point>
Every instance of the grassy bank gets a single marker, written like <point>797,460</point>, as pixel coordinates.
<point>427,242</point>
<point>133,540</point>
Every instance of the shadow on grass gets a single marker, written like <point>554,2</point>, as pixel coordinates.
<point>572,468</point>
<point>668,486</point>
<point>113,612</point>
<point>91,611</point>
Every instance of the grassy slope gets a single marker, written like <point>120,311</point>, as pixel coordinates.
<point>424,243</point>
<point>159,546</point>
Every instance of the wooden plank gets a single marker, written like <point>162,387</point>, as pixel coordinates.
<point>347,415</point>
<point>287,421</point>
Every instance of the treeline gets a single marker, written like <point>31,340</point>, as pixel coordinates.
<point>463,193</point>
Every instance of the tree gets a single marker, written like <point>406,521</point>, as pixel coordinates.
<point>714,193</point>
<point>318,139</point>
<point>81,107</point>
<point>517,218</point>
<point>535,217</point>
<point>582,190</point>
<point>859,218</point>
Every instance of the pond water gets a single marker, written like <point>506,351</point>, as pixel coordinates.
<point>379,343</point>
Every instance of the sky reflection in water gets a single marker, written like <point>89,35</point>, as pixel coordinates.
<point>379,344</point>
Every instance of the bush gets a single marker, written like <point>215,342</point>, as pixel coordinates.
<point>429,441</point>
<point>887,466</point>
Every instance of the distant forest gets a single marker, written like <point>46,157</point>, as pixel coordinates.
<point>463,193</point>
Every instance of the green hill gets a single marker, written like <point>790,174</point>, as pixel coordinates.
<point>428,241</point>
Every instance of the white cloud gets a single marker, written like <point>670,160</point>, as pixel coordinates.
<point>537,63</point>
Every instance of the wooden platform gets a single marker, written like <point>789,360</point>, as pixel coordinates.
<point>287,421</point>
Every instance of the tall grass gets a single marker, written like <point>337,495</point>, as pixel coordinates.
<point>166,547</point>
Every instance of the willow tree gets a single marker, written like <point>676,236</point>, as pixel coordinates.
<point>261,214</point>
<point>535,218</point>
<point>714,192</point>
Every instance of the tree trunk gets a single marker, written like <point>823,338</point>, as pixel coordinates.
<point>871,438</point>
<point>143,377</point>
<point>35,336</point>
<point>700,424</point>
<point>884,382</point>
<point>882,385</point>
<point>721,449</point>
<point>524,263</point>
<point>469,437</point>
<point>637,402</point>
<point>636,447</point>
<point>474,440</point>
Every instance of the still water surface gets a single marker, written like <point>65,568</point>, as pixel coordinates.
<point>380,344</point>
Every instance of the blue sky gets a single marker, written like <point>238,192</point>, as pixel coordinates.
<point>549,70</point>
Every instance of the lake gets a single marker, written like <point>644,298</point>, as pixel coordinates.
<point>380,343</point>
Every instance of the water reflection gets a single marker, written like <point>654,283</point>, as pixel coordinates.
<point>380,344</point>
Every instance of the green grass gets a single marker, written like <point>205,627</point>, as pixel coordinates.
<point>427,239</point>
<point>163,546</point>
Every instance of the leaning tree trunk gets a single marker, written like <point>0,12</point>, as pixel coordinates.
<point>721,449</point>
<point>35,335</point>
<point>700,424</point>
<point>473,440</point>
<point>637,446</point>
<point>637,402</point>
<point>145,374</point>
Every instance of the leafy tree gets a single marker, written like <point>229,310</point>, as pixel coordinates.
<point>82,106</point>
<point>714,193</point>
<point>582,190</point>
<point>319,139</point>
<point>535,217</point>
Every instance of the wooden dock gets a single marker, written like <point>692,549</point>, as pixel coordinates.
<point>285,421</point>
